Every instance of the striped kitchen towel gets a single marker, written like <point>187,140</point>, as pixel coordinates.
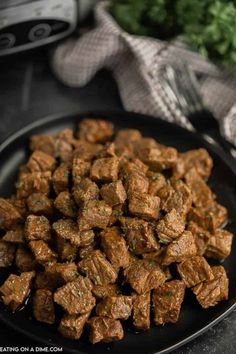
<point>136,63</point>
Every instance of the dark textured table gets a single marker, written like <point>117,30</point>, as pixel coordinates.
<point>28,91</point>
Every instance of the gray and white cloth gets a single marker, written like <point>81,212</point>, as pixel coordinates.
<point>136,63</point>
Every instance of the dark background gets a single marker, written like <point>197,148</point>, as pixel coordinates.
<point>28,92</point>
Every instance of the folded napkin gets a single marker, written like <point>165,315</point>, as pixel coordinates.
<point>136,63</point>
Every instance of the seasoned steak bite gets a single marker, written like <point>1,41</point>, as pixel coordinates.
<point>136,182</point>
<point>126,136</point>
<point>25,261</point>
<point>116,307</point>
<point>45,143</point>
<point>16,235</point>
<point>105,169</point>
<point>95,130</point>
<point>67,229</point>
<point>144,206</point>
<point>86,151</point>
<point>156,182</point>
<point>219,245</point>
<point>43,306</point>
<point>114,247</point>
<point>97,268</point>
<point>128,167</point>
<point>60,178</point>
<point>140,237</point>
<point>210,292</point>
<point>41,162</point>
<point>63,272</point>
<point>16,289</point>
<point>40,204</point>
<point>64,145</point>
<point>167,301</point>
<point>71,326</point>
<point>7,254</point>
<point>113,193</point>
<point>9,215</point>
<point>42,252</point>
<point>180,249</point>
<point>37,228</point>
<point>144,275</point>
<point>66,251</point>
<point>33,183</point>
<point>200,159</point>
<point>171,226</point>
<point>94,213</point>
<point>194,271</point>
<point>141,311</point>
<point>202,194</point>
<point>19,204</point>
<point>157,158</point>
<point>80,169</point>
<point>85,190</point>
<point>103,291</point>
<point>104,329</point>
<point>66,205</point>
<point>179,199</point>
<point>201,237</point>
<point>76,297</point>
<point>85,251</point>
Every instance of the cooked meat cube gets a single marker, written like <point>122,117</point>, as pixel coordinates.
<point>86,190</point>
<point>64,272</point>
<point>200,159</point>
<point>181,248</point>
<point>180,198</point>
<point>209,218</point>
<point>113,193</point>
<point>41,162</point>
<point>45,143</point>
<point>165,193</point>
<point>136,182</point>
<point>105,170</point>
<point>9,215</point>
<point>97,268</point>
<point>167,301</point>
<point>76,297</point>
<point>33,183</point>
<point>64,145</point>
<point>117,307</point>
<point>66,251</point>
<point>19,204</point>
<point>219,245</point>
<point>85,251</point>
<point>16,289</point>
<point>66,205</point>
<point>87,238</point>
<point>156,256</point>
<point>104,329</point>
<point>67,229</point>
<point>107,151</point>
<point>201,237</point>
<point>49,281</point>
<point>144,276</point>
<point>15,236</point>
<point>95,213</point>
<point>60,178</point>
<point>171,226</point>
<point>210,292</point>
<point>71,326</point>
<point>114,247</point>
<point>87,151</point>
<point>42,253</point>
<point>117,211</point>
<point>141,311</point>
<point>144,206</point>
<point>194,271</point>
<point>95,130</point>
<point>102,291</point>
<point>202,194</point>
<point>125,136</point>
<point>7,254</point>
<point>37,228</point>
<point>40,204</point>
<point>128,167</point>
<point>156,182</point>
<point>43,306</point>
<point>25,261</point>
<point>158,159</point>
<point>140,237</point>
<point>80,169</point>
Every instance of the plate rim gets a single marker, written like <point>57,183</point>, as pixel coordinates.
<point>100,114</point>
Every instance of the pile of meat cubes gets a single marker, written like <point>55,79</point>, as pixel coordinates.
<point>109,228</point>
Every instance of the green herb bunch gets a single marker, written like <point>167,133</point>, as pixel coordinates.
<point>209,26</point>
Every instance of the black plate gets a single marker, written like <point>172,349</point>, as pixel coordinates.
<point>193,320</point>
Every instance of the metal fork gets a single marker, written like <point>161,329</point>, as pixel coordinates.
<point>182,87</point>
